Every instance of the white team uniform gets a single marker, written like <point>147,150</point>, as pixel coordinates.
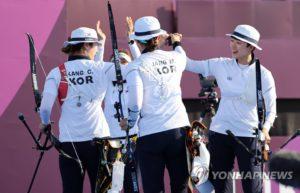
<point>112,96</point>
<point>87,86</point>
<point>237,109</point>
<point>162,108</point>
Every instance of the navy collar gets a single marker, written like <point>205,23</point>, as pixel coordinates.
<point>77,57</point>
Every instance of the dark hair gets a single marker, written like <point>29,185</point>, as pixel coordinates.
<point>70,49</point>
<point>151,44</point>
<point>252,51</point>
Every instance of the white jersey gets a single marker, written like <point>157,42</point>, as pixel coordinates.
<point>238,107</point>
<point>81,117</point>
<point>162,107</point>
<point>111,97</point>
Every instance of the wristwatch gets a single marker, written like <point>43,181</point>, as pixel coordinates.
<point>175,44</point>
<point>131,42</point>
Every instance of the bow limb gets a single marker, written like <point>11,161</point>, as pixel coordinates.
<point>35,88</point>
<point>57,145</point>
<point>34,81</point>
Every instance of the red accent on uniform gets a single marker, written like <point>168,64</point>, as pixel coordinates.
<point>63,84</point>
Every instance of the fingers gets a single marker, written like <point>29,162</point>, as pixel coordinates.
<point>128,18</point>
<point>176,37</point>
<point>268,139</point>
<point>45,128</point>
<point>98,24</point>
<point>267,136</point>
<point>129,21</point>
<point>100,33</point>
<point>124,124</point>
<point>129,24</point>
<point>98,27</point>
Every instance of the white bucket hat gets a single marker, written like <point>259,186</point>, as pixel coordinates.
<point>246,33</point>
<point>82,35</point>
<point>146,28</point>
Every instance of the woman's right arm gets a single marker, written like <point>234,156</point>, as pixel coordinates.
<point>100,52</point>
<point>204,67</point>
<point>135,51</point>
<point>102,37</point>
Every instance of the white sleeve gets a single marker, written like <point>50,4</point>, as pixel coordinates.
<point>180,50</point>
<point>49,96</point>
<point>135,51</point>
<point>109,73</point>
<point>135,94</point>
<point>100,52</point>
<point>269,94</point>
<point>180,57</point>
<point>204,67</point>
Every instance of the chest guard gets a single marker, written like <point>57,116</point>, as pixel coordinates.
<point>63,84</point>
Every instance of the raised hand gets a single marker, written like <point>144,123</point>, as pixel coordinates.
<point>129,24</point>
<point>100,33</point>
<point>176,37</point>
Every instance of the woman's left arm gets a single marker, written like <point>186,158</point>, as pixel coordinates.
<point>135,94</point>
<point>135,51</point>
<point>269,94</point>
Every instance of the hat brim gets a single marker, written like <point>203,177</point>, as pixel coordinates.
<point>244,40</point>
<point>77,42</point>
<point>66,43</point>
<point>147,37</point>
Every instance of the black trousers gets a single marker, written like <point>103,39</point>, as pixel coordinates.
<point>72,178</point>
<point>223,150</point>
<point>160,150</point>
